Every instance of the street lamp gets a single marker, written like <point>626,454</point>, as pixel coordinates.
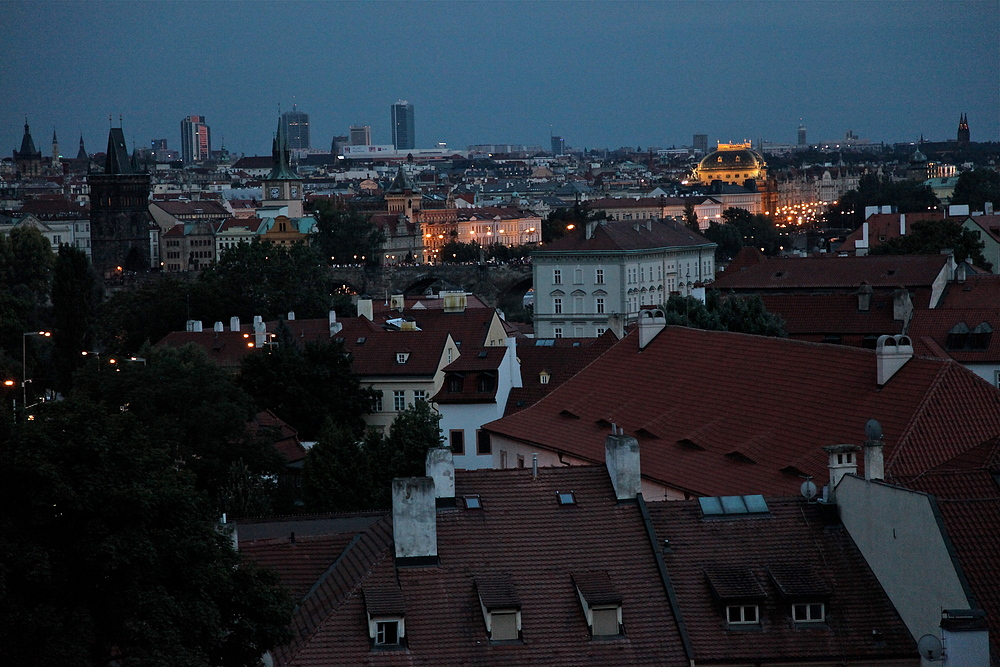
<point>24,362</point>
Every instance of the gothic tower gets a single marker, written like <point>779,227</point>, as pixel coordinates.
<point>119,213</point>
<point>963,130</point>
<point>82,153</point>
<point>55,149</point>
<point>283,186</point>
<point>28,160</point>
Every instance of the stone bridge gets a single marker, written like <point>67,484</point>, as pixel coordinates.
<point>498,285</point>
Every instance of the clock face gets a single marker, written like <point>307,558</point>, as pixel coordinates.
<point>295,191</point>
<point>275,193</point>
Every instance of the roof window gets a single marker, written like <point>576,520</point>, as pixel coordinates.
<point>566,497</point>
<point>386,616</point>
<point>361,340</point>
<point>473,502</point>
<point>732,505</point>
<point>402,357</point>
<point>483,354</point>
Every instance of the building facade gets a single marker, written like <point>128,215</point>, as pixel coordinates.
<point>296,128</point>
<point>402,125</point>
<point>196,140</point>
<point>361,135</point>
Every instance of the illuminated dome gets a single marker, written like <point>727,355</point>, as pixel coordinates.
<point>732,163</point>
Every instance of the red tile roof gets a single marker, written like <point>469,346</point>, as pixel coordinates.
<point>722,413</point>
<point>885,225</point>
<point>929,332</point>
<point>561,361</point>
<point>628,235</point>
<point>819,314</point>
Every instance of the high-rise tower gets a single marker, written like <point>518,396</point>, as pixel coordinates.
<point>361,135</point>
<point>297,128</point>
<point>196,140</point>
<point>963,130</point>
<point>802,136</point>
<point>119,212</point>
<point>402,126</point>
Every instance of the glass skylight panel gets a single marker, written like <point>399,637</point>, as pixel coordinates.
<point>566,497</point>
<point>473,503</point>
<point>755,504</point>
<point>710,506</point>
<point>733,505</point>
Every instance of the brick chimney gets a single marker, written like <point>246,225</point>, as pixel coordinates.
<point>414,520</point>
<point>651,322</point>
<point>843,461</point>
<point>892,353</point>
<point>621,454</point>
<point>440,466</point>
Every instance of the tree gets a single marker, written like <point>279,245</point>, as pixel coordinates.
<point>340,470</point>
<point>757,230</point>
<point>875,190</point>
<point>929,237</point>
<point>346,237</point>
<point>690,217</point>
<point>727,238</point>
<point>562,221</point>
<point>110,555</point>
<point>415,430</point>
<point>76,293</point>
<point>732,312</point>
<point>456,252</point>
<point>976,187</point>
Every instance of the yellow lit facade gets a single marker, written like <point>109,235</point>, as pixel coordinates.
<point>731,163</point>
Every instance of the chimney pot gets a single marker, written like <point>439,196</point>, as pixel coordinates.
<point>651,323</point>
<point>843,461</point>
<point>218,327</point>
<point>234,323</point>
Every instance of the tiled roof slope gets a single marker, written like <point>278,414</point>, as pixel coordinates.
<point>978,291</point>
<point>796,545</point>
<point>934,325</point>
<point>799,273</point>
<point>818,314</point>
<point>722,413</point>
<point>628,235</point>
<point>885,225</point>
<point>967,491</point>
<point>521,533</point>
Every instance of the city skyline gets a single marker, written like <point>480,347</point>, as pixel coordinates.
<point>600,75</point>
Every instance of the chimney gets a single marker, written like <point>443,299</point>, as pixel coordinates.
<point>843,461</point>
<point>902,305</point>
<point>988,208</point>
<point>617,324</point>
<point>291,316</point>
<point>257,319</point>
<point>861,246</point>
<point>455,302</point>
<point>259,333</point>
<point>902,224</point>
<point>874,445</point>
<point>864,297</point>
<point>651,322</point>
<point>870,211</point>
<point>892,353</point>
<point>397,302</point>
<point>194,326</point>
<point>440,466</point>
<point>414,520</point>
<point>621,454</point>
<point>958,210</point>
<point>335,326</point>
<point>219,328</point>
<point>234,323</point>
<point>366,309</point>
<point>635,226</point>
<point>649,224</point>
<point>591,227</point>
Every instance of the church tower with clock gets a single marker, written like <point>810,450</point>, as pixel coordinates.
<point>283,187</point>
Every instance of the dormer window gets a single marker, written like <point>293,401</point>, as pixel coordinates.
<point>803,588</point>
<point>487,383</point>
<point>402,357</point>
<point>386,616</point>
<point>543,377</point>
<point>501,607</point>
<point>454,384</point>
<point>809,612</point>
<point>738,589</point>
<point>743,614</point>
<point>602,605</point>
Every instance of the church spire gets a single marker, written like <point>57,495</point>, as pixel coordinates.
<point>82,153</point>
<point>281,169</point>
<point>963,130</point>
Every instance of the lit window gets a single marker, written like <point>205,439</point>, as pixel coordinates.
<point>399,400</point>
<point>543,377</point>
<point>809,612</point>
<point>742,614</point>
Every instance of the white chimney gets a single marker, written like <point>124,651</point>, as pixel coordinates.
<point>870,211</point>
<point>414,518</point>
<point>259,334</point>
<point>397,302</point>
<point>440,466</point>
<point>366,309</point>
<point>621,454</point>
<point>892,353</point>
<point>988,208</point>
<point>591,226</point>
<point>902,224</point>
<point>219,328</point>
<point>617,325</point>
<point>902,305</point>
<point>874,459</point>
<point>291,316</point>
<point>843,461</point>
<point>335,326</point>
<point>515,363</point>
<point>234,323</point>
<point>958,210</point>
<point>861,245</point>
<point>651,322</point>
<point>194,326</point>
<point>257,319</point>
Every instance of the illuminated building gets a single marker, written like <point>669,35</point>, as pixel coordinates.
<point>732,163</point>
<point>196,140</point>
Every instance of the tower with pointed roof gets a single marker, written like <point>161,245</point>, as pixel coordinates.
<point>963,130</point>
<point>28,160</point>
<point>120,221</point>
<point>403,196</point>
<point>82,153</point>
<point>283,186</point>
<point>55,149</point>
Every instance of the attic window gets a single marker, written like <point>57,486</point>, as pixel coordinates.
<point>501,607</point>
<point>690,444</point>
<point>473,502</point>
<point>742,614</point>
<point>487,383</point>
<point>602,604</point>
<point>402,357</point>
<point>566,497</point>
<point>809,612</point>
<point>543,377</point>
<point>567,413</point>
<point>385,610</point>
<point>454,384</point>
<point>739,457</point>
<point>483,354</point>
<point>361,341</point>
<point>732,505</point>
<point>890,272</point>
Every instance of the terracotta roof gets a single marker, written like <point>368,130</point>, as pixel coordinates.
<point>464,375</point>
<point>829,272</point>
<point>561,361</point>
<point>736,413</point>
<point>627,235</point>
<point>988,223</point>
<point>934,325</point>
<point>201,208</point>
<point>821,314</point>
<point>251,224</point>
<point>793,540</point>
<point>286,438</point>
<point>978,291</point>
<point>885,225</point>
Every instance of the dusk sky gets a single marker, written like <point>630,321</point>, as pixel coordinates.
<point>601,74</point>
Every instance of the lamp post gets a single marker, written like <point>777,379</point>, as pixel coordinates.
<point>24,363</point>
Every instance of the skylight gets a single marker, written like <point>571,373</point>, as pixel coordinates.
<point>566,497</point>
<point>473,502</point>
<point>733,505</point>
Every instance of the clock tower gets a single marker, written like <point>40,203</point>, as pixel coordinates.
<point>283,187</point>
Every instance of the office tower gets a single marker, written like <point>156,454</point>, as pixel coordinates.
<point>297,128</point>
<point>802,136</point>
<point>558,146</point>
<point>361,135</point>
<point>700,143</point>
<point>196,140</point>
<point>158,144</point>
<point>402,126</point>
<point>338,143</point>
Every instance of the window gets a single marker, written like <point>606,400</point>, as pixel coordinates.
<point>809,612</point>
<point>642,274</point>
<point>399,400</point>
<point>599,277</point>
<point>449,355</point>
<point>377,403</point>
<point>577,276</point>
<point>473,502</point>
<point>557,332</point>
<point>557,305</point>
<point>483,444</point>
<point>401,357</point>
<point>520,460</point>
<point>419,395</point>
<point>556,276</point>
<point>543,377</point>
<point>456,438</point>
<point>600,331</point>
<point>487,383</point>
<point>599,303</point>
<point>741,614</point>
<point>387,633</point>
<point>504,625</point>
<point>566,497</point>
<point>503,459</point>
<point>606,622</point>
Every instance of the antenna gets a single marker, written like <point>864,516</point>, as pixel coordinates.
<point>808,489</point>
<point>929,647</point>
<point>534,466</point>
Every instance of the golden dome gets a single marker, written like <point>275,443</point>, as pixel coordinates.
<point>732,163</point>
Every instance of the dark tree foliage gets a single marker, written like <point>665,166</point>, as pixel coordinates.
<point>690,217</point>
<point>307,387</point>
<point>929,237</point>
<point>456,252</point>
<point>557,224</point>
<point>976,187</point>
<point>25,272</point>
<point>346,237</point>
<point>415,430</point>
<point>875,190</point>
<point>757,230</point>
<point>732,312</point>
<point>76,293</point>
<point>728,239</point>
<point>269,280</point>
<point>110,555</point>
<point>498,252</point>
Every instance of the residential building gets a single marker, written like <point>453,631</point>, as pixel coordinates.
<point>296,125</point>
<point>708,209</point>
<point>614,269</point>
<point>196,140</point>
<point>700,143</point>
<point>403,130</point>
<point>558,146</point>
<point>73,232</point>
